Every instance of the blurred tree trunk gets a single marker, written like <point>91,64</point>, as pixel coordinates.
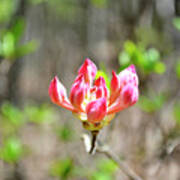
<point>15,69</point>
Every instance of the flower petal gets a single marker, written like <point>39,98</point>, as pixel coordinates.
<point>78,92</point>
<point>101,89</point>
<point>128,96</point>
<point>128,75</point>
<point>118,82</point>
<point>132,68</point>
<point>96,110</point>
<point>115,87</point>
<point>88,69</point>
<point>58,95</point>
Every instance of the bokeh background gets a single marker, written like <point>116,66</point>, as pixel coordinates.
<point>43,38</point>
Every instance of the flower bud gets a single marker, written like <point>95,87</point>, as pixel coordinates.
<point>57,91</point>
<point>96,110</point>
<point>58,95</point>
<point>88,69</point>
<point>101,90</point>
<point>78,92</point>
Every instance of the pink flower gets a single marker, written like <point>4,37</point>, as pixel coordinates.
<point>92,103</point>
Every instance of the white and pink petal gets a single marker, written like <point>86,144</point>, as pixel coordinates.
<point>96,110</point>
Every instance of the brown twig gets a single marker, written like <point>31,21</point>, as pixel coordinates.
<point>122,165</point>
<point>106,151</point>
<point>93,142</point>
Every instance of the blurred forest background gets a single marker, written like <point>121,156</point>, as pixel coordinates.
<point>43,38</point>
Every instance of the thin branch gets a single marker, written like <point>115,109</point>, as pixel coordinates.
<point>92,145</point>
<point>93,141</point>
<point>122,165</point>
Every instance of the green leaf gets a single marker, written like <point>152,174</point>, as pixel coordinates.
<point>36,2</point>
<point>12,114</point>
<point>12,150</point>
<point>18,29</point>
<point>27,48</point>
<point>160,68</point>
<point>39,114</point>
<point>7,7</point>
<point>152,104</point>
<point>124,59</point>
<point>99,3</point>
<point>130,47</point>
<point>176,23</point>
<point>177,68</point>
<point>8,44</point>
<point>153,55</point>
<point>62,168</point>
<point>107,166</point>
<point>176,113</point>
<point>65,133</point>
<point>98,175</point>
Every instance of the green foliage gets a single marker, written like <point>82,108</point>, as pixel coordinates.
<point>65,133</point>
<point>9,42</point>
<point>177,69</point>
<point>7,8</point>
<point>39,114</point>
<point>151,37</point>
<point>176,23</point>
<point>12,118</point>
<point>105,76</point>
<point>107,166</point>
<point>105,170</point>
<point>62,168</point>
<point>98,175</point>
<point>12,150</point>
<point>146,60</point>
<point>36,2</point>
<point>99,3</point>
<point>18,29</point>
<point>153,103</point>
<point>176,113</point>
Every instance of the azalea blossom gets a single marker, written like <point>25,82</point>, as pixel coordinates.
<point>90,100</point>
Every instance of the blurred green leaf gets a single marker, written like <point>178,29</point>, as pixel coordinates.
<point>36,2</point>
<point>130,47</point>
<point>152,104</point>
<point>176,112</point>
<point>12,114</point>
<point>18,29</point>
<point>99,3</point>
<point>146,60</point>
<point>65,133</point>
<point>62,168</point>
<point>12,150</point>
<point>39,114</point>
<point>160,68</point>
<point>107,165</point>
<point>98,175</point>
<point>154,55</point>
<point>27,48</point>
<point>105,170</point>
<point>124,59</point>
<point>177,68</point>
<point>6,9</point>
<point>8,44</point>
<point>176,23</point>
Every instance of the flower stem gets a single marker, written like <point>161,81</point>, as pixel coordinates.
<point>93,141</point>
